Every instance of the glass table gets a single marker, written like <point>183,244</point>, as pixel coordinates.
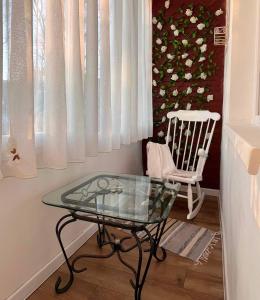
<point>121,201</point>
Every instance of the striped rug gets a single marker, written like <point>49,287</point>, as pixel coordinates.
<point>187,240</point>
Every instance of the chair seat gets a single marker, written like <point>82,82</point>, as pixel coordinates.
<point>184,176</point>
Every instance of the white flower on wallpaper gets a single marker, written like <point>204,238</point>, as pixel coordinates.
<point>163,49</point>
<point>184,55</point>
<point>219,12</point>
<point>162,92</point>
<point>187,132</point>
<point>202,58</point>
<point>188,76</point>
<point>173,27</point>
<point>154,20</point>
<point>154,83</point>
<point>175,93</point>
<point>169,138</point>
<point>158,41</point>
<point>174,77</point>
<point>193,20</point>
<point>163,119</point>
<point>188,12</point>
<point>200,90</point>
<point>163,106</point>
<point>170,56</point>
<point>188,63</point>
<point>176,105</point>
<point>210,98</point>
<point>201,26</point>
<point>159,25</point>
<point>169,71</point>
<point>203,76</point>
<point>203,48</point>
<point>167,4</point>
<point>182,126</point>
<point>188,106</point>
<point>189,90</point>
<point>155,70</point>
<point>199,41</point>
<point>184,42</point>
<point>176,32</point>
<point>161,133</point>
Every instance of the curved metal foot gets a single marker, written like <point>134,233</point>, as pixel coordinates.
<point>164,254</point>
<point>59,227</point>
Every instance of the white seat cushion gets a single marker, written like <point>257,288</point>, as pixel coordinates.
<point>183,176</point>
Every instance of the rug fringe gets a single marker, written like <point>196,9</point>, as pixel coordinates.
<point>203,258</point>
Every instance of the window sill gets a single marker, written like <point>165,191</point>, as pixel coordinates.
<point>246,140</point>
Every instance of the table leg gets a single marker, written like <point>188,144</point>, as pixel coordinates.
<point>157,238</point>
<point>59,227</point>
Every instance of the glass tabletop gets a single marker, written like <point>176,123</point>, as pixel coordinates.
<point>125,197</point>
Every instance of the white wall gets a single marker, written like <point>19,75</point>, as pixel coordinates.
<point>240,192</point>
<point>241,225</point>
<point>28,241</point>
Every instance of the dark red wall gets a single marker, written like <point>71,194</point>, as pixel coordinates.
<point>213,82</point>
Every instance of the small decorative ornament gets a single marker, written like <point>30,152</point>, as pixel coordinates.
<point>188,106</point>
<point>189,90</point>
<point>188,12</point>
<point>188,63</point>
<point>161,133</point>
<point>184,55</point>
<point>163,49</point>
<point>202,58</point>
<point>176,105</point>
<point>210,98</point>
<point>200,90</point>
<point>193,20</point>
<point>174,77</point>
<point>220,36</point>
<point>176,32</point>
<point>154,83</point>
<point>154,20</point>
<point>175,93</point>
<point>169,71</point>
<point>173,27</point>
<point>184,42</point>
<point>219,12</point>
<point>170,56</point>
<point>203,48</point>
<point>188,76</point>
<point>158,41</point>
<point>203,76</point>
<point>155,70</point>
<point>201,26</point>
<point>159,25</point>
<point>167,4</point>
<point>162,92</point>
<point>163,106</point>
<point>199,41</point>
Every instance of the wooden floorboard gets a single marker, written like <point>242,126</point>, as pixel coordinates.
<point>176,278</point>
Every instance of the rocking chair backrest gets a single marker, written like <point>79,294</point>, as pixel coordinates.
<point>189,135</point>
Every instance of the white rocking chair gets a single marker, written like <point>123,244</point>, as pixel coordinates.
<point>190,134</point>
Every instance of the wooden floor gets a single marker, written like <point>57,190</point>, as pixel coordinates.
<point>176,278</point>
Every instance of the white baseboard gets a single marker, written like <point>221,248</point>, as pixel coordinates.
<point>38,278</point>
<point>209,192</point>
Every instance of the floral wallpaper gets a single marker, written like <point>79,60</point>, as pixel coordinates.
<point>183,60</point>
<point>188,69</point>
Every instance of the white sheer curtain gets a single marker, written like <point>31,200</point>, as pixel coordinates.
<point>76,80</point>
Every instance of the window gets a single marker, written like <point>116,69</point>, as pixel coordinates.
<point>76,81</point>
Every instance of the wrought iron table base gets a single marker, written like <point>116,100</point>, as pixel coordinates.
<point>105,238</point>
